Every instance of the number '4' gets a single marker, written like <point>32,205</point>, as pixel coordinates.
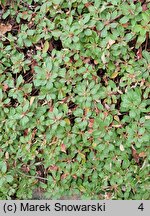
<point>141,207</point>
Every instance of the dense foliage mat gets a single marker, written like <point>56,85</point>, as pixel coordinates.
<point>74,99</point>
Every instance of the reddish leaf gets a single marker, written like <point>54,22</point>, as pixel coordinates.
<point>135,155</point>
<point>53,167</point>
<point>74,176</point>
<point>90,131</point>
<point>125,25</point>
<point>95,62</point>
<point>144,7</point>
<point>105,113</point>
<point>106,106</point>
<point>108,196</point>
<point>139,53</point>
<point>64,100</point>
<point>51,109</point>
<point>86,60</point>
<point>25,132</point>
<point>87,4</point>
<point>34,63</point>
<point>63,147</point>
<point>91,122</point>
<point>25,168</point>
<point>5,87</point>
<point>63,176</point>
<point>33,133</point>
<point>94,77</point>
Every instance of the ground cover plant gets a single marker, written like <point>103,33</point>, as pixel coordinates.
<point>74,99</point>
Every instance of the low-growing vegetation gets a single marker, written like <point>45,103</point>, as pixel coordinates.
<point>74,99</point>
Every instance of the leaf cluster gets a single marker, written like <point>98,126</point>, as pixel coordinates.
<point>74,99</point>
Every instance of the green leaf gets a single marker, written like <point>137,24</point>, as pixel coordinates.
<point>9,178</point>
<point>19,80</point>
<point>56,1</point>
<point>24,121</point>
<point>1,94</point>
<point>124,19</point>
<point>3,167</point>
<point>86,18</point>
<point>140,40</point>
<point>45,47</point>
<point>88,32</point>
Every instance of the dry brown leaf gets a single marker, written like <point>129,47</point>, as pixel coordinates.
<point>107,106</point>
<point>139,53</point>
<point>114,75</point>
<point>117,126</point>
<point>7,155</point>
<point>86,110</point>
<point>67,121</point>
<point>142,154</point>
<point>110,43</point>
<point>103,58</point>
<point>147,117</point>
<point>31,100</point>
<point>121,147</point>
<point>117,118</point>
<point>5,28</point>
